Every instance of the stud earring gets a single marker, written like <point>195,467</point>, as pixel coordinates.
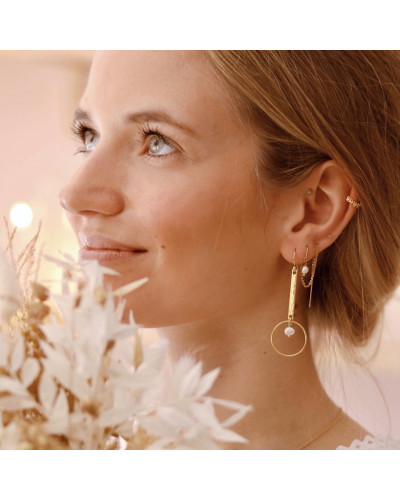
<point>305,270</point>
<point>290,329</point>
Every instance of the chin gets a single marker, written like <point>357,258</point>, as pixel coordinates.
<point>153,308</point>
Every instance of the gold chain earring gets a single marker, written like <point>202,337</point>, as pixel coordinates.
<point>305,270</point>
<point>290,330</point>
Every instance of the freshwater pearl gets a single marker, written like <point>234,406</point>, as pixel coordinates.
<point>289,331</point>
<point>304,270</point>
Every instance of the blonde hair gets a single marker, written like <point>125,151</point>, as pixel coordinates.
<point>310,106</point>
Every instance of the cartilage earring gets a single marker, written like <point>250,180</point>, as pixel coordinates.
<point>290,330</point>
<point>305,270</point>
<point>355,204</point>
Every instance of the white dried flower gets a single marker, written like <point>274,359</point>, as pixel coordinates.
<point>97,386</point>
<point>10,293</point>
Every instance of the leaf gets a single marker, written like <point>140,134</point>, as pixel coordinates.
<point>190,381</point>
<point>47,391</point>
<point>124,290</point>
<point>227,435</point>
<point>157,427</point>
<point>13,403</point>
<point>207,381</point>
<point>205,414</point>
<point>30,370</point>
<point>13,386</point>
<point>57,365</point>
<point>232,405</point>
<point>61,404</point>
<point>123,332</point>
<point>175,417</point>
<point>58,420</point>
<point>108,270</point>
<point>232,420</point>
<point>115,416</point>
<point>240,409</point>
<point>18,355</point>
<point>3,352</point>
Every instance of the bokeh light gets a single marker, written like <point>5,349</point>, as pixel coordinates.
<point>21,215</point>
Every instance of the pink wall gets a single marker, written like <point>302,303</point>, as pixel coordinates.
<point>38,95</point>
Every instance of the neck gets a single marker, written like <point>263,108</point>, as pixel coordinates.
<point>285,393</point>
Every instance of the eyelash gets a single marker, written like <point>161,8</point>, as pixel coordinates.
<point>79,130</point>
<point>147,131</point>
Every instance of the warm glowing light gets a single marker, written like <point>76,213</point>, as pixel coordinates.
<point>21,215</point>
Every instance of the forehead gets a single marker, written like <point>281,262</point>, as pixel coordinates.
<point>179,80</point>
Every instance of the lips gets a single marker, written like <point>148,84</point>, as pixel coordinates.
<point>106,249</point>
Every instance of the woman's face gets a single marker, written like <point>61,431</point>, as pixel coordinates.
<point>167,189</point>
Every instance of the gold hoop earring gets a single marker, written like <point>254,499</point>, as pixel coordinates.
<point>305,270</point>
<point>289,330</point>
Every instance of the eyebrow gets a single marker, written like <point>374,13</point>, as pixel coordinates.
<point>81,114</point>
<point>142,117</point>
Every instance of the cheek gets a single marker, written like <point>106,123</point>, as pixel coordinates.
<point>204,231</point>
<point>188,219</point>
<point>213,262</point>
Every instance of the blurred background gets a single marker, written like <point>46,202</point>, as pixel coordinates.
<point>39,91</point>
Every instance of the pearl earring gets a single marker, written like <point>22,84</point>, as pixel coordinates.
<point>290,330</point>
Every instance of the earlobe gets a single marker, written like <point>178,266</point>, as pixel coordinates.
<point>320,212</point>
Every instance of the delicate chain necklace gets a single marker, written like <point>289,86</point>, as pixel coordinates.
<point>326,429</point>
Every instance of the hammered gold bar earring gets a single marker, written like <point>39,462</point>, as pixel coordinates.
<point>290,329</point>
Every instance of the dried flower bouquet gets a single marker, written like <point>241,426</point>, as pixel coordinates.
<point>73,376</point>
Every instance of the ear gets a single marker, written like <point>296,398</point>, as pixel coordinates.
<point>316,211</point>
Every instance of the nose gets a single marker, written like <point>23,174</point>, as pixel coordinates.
<point>91,191</point>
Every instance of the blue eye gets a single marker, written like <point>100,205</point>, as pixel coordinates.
<point>90,140</point>
<point>158,146</point>
<point>86,135</point>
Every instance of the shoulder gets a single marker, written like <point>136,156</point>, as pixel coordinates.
<point>349,435</point>
<point>355,437</point>
<point>345,431</point>
<point>373,443</point>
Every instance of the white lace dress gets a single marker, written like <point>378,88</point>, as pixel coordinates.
<point>373,443</point>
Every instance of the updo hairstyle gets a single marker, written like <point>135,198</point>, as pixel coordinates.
<point>311,106</point>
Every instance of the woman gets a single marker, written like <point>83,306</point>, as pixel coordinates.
<point>239,182</point>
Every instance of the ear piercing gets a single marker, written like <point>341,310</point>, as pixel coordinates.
<point>305,270</point>
<point>349,199</point>
<point>355,204</point>
<point>291,324</point>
